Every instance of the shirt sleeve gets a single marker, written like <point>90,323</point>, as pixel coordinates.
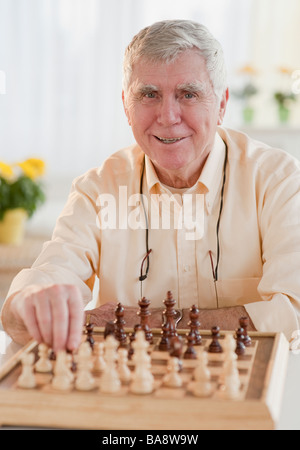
<point>72,255</point>
<point>279,216</point>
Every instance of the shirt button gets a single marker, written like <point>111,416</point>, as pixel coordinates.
<point>187,268</point>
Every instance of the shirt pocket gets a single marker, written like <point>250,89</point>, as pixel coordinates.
<point>234,292</point>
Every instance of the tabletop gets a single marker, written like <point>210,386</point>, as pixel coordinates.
<point>289,415</point>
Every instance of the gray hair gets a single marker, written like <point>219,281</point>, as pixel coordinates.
<point>165,40</point>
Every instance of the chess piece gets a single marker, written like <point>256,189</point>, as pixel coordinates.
<point>176,349</point>
<point>132,338</point>
<point>169,326</point>
<point>145,314</point>
<point>120,334</point>
<point>143,380</point>
<point>190,352</point>
<point>62,379</point>
<point>89,328</point>
<point>84,380</point>
<point>229,377</point>
<point>170,315</point>
<point>172,377</point>
<point>215,346</point>
<point>109,380</point>
<point>109,328</point>
<point>123,369</point>
<point>99,361</point>
<point>27,378</point>
<point>164,343</point>
<point>194,324</point>
<point>244,323</point>
<point>43,364</point>
<point>202,386</point>
<point>240,346</point>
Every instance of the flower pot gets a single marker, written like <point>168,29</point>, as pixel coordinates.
<point>12,226</point>
<point>248,114</point>
<point>284,114</point>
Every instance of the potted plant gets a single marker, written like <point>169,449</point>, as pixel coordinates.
<point>283,100</point>
<point>21,193</point>
<point>247,92</point>
<point>284,95</point>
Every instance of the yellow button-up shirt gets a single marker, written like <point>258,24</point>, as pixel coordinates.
<point>101,232</point>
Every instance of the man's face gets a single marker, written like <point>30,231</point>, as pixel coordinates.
<point>174,113</point>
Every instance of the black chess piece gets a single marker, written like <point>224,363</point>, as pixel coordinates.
<point>119,325</point>
<point>244,323</point>
<point>240,346</point>
<point>215,346</point>
<point>190,352</point>
<point>145,314</point>
<point>194,324</point>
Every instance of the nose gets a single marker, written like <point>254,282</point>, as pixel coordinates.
<point>169,112</point>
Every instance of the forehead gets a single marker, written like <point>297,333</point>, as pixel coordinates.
<point>189,67</point>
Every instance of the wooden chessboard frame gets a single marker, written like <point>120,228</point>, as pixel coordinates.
<point>259,409</point>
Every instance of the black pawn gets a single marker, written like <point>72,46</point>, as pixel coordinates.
<point>244,323</point>
<point>215,346</point>
<point>240,346</point>
<point>89,329</point>
<point>190,352</point>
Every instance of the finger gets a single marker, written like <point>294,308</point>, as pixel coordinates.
<point>44,316</point>
<point>76,318</point>
<point>30,319</point>
<point>60,317</point>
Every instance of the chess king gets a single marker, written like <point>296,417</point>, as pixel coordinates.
<point>237,264</point>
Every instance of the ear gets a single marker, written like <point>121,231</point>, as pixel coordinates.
<point>223,105</point>
<point>125,108</point>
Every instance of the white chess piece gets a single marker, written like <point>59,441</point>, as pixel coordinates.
<point>109,380</point>
<point>143,379</point>
<point>27,379</point>
<point>62,379</point>
<point>202,386</point>
<point>229,378</point>
<point>43,364</point>
<point>123,369</point>
<point>84,380</point>
<point>172,377</point>
<point>99,362</point>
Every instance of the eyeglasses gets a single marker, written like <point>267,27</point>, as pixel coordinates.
<point>144,274</point>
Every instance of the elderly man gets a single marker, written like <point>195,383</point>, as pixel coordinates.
<point>193,208</point>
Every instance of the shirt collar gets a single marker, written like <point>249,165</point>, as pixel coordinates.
<point>210,177</point>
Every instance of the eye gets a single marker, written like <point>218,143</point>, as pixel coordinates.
<point>150,95</point>
<point>189,95</point>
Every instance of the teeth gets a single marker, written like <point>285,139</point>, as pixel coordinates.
<point>168,141</point>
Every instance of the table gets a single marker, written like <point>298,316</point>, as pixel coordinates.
<point>289,417</point>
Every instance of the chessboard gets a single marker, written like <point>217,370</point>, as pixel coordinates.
<point>135,380</point>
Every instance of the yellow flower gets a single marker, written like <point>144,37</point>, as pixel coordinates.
<point>248,69</point>
<point>6,170</point>
<point>285,70</point>
<point>33,167</point>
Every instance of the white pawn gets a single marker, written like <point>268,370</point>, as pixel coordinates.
<point>27,379</point>
<point>99,363</point>
<point>123,369</point>
<point>84,380</point>
<point>110,381</point>
<point>62,379</point>
<point>202,386</point>
<point>229,378</point>
<point>143,379</point>
<point>172,377</point>
<point>43,364</point>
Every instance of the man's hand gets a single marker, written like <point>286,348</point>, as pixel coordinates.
<point>53,315</point>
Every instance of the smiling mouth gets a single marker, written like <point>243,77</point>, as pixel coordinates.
<point>169,140</point>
